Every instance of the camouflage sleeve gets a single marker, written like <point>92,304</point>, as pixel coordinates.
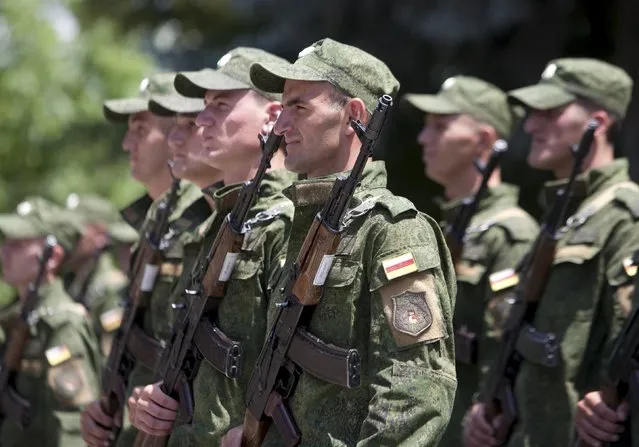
<point>412,370</point>
<point>71,377</point>
<point>509,252</point>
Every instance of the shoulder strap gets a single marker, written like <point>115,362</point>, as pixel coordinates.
<point>600,200</point>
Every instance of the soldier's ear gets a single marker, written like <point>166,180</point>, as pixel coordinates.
<point>605,121</point>
<point>486,136</point>
<point>273,110</point>
<point>56,259</point>
<point>355,110</point>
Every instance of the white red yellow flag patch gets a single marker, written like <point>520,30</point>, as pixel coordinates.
<point>111,319</point>
<point>57,354</point>
<point>399,266</point>
<point>503,279</point>
<point>630,267</point>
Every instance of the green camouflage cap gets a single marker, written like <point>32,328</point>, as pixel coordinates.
<point>351,70</point>
<point>471,96</point>
<point>95,209</point>
<point>171,105</point>
<point>38,217</point>
<point>120,109</point>
<point>565,80</point>
<point>232,73</point>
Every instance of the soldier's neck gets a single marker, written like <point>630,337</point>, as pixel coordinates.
<point>159,185</point>
<point>467,183</point>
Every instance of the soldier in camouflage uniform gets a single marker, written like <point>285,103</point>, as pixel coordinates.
<point>463,122</point>
<point>146,141</point>
<point>231,98</point>
<point>91,276</point>
<point>585,302</point>
<point>59,368</point>
<point>390,291</point>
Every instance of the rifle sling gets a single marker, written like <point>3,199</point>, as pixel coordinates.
<point>143,347</point>
<point>327,362</point>
<point>538,347</point>
<point>14,407</point>
<point>224,354</point>
<point>466,347</point>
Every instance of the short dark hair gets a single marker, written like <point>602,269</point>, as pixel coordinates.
<point>613,134</point>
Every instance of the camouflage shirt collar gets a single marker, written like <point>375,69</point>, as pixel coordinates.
<point>589,182</point>
<point>316,191</point>
<point>501,195</point>
<point>210,190</point>
<point>50,293</point>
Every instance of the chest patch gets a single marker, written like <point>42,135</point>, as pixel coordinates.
<point>411,314</point>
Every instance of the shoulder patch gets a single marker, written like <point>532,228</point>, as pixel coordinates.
<point>503,279</point>
<point>630,266</point>
<point>399,266</point>
<point>411,314</point>
<point>111,319</point>
<point>57,354</point>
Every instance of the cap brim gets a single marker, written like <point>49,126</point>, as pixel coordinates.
<point>194,84</point>
<point>541,96</point>
<point>121,109</point>
<point>432,104</point>
<point>17,227</point>
<point>170,105</point>
<point>271,77</point>
<point>123,233</point>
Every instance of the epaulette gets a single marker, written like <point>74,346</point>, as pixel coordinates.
<point>629,197</point>
<point>396,205</point>
<point>135,213</point>
<point>283,208</point>
<point>623,193</point>
<point>509,219</point>
<point>59,315</point>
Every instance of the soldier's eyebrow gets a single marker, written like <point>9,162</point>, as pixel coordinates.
<point>294,101</point>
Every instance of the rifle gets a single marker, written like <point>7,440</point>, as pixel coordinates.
<point>195,334</point>
<point>621,379</point>
<point>12,405</point>
<point>456,232</point>
<point>290,348</point>
<point>499,398</point>
<point>130,337</point>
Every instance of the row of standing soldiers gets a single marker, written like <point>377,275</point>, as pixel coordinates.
<point>394,341</point>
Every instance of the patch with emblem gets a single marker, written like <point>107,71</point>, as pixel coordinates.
<point>503,279</point>
<point>69,384</point>
<point>399,266</point>
<point>630,267</point>
<point>111,319</point>
<point>57,354</point>
<point>411,314</point>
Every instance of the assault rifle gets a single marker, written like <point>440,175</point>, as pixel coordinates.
<point>289,347</point>
<point>12,405</point>
<point>131,343</point>
<point>499,395</point>
<point>456,231</point>
<point>195,337</point>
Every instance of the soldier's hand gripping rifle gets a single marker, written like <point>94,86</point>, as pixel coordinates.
<point>456,231</point>
<point>498,395</point>
<point>289,348</point>
<point>194,337</point>
<point>130,337</point>
<point>13,406</point>
<point>621,379</point>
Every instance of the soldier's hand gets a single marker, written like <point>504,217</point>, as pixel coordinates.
<point>132,402</point>
<point>154,412</point>
<point>596,422</point>
<point>96,426</point>
<point>233,438</point>
<point>477,430</point>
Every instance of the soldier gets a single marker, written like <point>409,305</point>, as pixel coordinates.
<point>146,142</point>
<point>585,301</point>
<point>91,276</point>
<point>58,372</point>
<point>463,121</point>
<point>236,112</point>
<point>392,256</point>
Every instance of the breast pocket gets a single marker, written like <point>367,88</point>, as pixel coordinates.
<point>335,314</point>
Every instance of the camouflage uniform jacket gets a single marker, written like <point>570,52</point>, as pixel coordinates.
<point>158,316</point>
<point>58,374</point>
<point>389,294</point>
<point>583,307</point>
<point>99,285</point>
<point>499,235</point>
<point>219,401</point>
